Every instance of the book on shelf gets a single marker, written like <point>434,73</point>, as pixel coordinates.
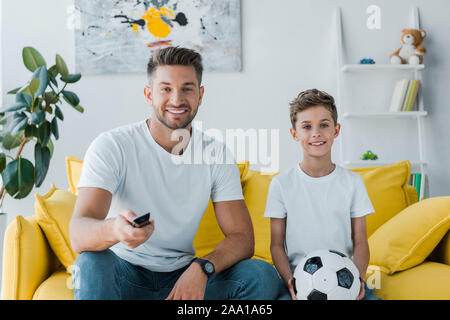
<point>415,181</point>
<point>412,97</point>
<point>404,97</point>
<point>401,87</point>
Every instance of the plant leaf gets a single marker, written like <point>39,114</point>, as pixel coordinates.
<point>10,142</point>
<point>59,113</point>
<point>50,147</point>
<point>62,67</point>
<point>41,74</point>
<point>42,161</point>
<point>54,128</point>
<point>32,59</point>
<point>33,86</point>
<point>51,97</point>
<point>37,117</point>
<point>9,177</point>
<point>24,98</point>
<point>44,131</point>
<point>18,178</point>
<point>14,107</point>
<point>71,98</point>
<point>19,126</point>
<point>14,91</point>
<point>16,119</point>
<point>72,78</point>
<point>2,161</point>
<point>79,108</point>
<point>53,70</point>
<point>30,131</point>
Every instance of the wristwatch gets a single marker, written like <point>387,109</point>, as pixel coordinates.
<point>207,266</point>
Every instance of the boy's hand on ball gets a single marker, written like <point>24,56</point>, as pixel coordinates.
<point>362,291</point>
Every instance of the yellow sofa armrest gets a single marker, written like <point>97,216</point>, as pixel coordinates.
<point>442,252</point>
<point>27,259</point>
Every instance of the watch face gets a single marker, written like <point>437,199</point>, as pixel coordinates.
<point>209,268</point>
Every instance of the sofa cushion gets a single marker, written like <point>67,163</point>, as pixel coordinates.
<point>53,213</point>
<point>73,167</point>
<point>56,287</point>
<point>387,189</point>
<point>410,236</point>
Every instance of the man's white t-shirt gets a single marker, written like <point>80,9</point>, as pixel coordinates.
<point>144,177</point>
<point>318,211</point>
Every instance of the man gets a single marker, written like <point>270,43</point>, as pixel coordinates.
<point>145,167</point>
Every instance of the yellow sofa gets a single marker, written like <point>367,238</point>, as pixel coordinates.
<point>409,240</point>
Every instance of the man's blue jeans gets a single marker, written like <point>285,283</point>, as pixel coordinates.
<point>103,275</point>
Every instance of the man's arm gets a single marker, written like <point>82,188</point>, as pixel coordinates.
<point>234,220</point>
<point>239,243</point>
<point>89,231</point>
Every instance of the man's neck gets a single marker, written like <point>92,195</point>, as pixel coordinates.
<point>166,137</point>
<point>317,167</point>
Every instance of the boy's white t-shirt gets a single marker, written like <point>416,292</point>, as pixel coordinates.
<point>318,211</point>
<point>144,177</point>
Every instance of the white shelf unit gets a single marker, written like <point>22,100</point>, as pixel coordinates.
<point>380,67</point>
<point>386,69</point>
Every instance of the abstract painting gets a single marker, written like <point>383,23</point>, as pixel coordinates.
<point>119,36</point>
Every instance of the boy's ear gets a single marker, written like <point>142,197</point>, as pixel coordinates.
<point>293,134</point>
<point>337,130</point>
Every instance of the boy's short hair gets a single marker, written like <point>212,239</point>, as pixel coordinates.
<point>310,98</point>
<point>175,56</point>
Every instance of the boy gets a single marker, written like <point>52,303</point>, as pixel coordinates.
<point>316,204</point>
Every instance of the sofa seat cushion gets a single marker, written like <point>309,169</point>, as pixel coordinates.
<point>57,287</point>
<point>427,281</point>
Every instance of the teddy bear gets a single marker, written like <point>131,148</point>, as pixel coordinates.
<point>411,51</point>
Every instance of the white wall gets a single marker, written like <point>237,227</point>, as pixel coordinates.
<point>287,46</point>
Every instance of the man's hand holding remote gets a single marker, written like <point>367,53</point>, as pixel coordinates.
<point>127,233</point>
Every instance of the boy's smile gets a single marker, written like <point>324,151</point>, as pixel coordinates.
<point>316,131</point>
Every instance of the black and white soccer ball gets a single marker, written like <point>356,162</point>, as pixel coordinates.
<point>326,275</point>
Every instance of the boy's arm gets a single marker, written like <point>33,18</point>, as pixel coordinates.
<point>277,249</point>
<point>361,253</point>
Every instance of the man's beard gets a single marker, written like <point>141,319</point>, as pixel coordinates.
<point>183,125</point>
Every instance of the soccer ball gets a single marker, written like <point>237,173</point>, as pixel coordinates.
<point>326,275</point>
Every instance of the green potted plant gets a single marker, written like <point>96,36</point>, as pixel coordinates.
<point>33,118</point>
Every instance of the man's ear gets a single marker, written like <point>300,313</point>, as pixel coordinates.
<point>148,94</point>
<point>201,91</point>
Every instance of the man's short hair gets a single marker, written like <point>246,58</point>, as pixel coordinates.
<point>175,56</point>
<point>310,98</point>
